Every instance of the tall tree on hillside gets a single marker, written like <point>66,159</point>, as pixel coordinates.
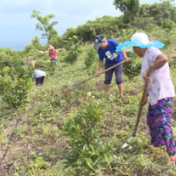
<point>163,10</point>
<point>163,13</point>
<point>130,8</point>
<point>145,10</point>
<point>43,24</point>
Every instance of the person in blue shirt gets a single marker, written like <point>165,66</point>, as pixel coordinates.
<point>107,49</point>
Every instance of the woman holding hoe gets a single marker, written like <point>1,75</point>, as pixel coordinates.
<point>160,89</point>
<point>106,49</point>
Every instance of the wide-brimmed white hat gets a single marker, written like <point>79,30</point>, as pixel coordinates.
<point>141,40</point>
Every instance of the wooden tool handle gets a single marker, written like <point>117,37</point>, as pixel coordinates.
<point>140,107</point>
<point>139,111</point>
<point>106,70</point>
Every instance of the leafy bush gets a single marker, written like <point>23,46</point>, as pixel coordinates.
<point>4,61</point>
<point>87,151</point>
<point>132,68</point>
<point>40,63</point>
<point>167,24</point>
<point>90,57</point>
<point>126,34</point>
<point>36,43</point>
<point>14,85</point>
<point>32,52</point>
<point>72,54</point>
<point>90,60</point>
<point>150,27</point>
<point>8,57</point>
<point>166,41</point>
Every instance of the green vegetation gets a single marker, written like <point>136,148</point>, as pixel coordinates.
<point>14,84</point>
<point>61,132</point>
<point>88,152</point>
<point>43,24</point>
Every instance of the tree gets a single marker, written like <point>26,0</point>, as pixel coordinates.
<point>53,34</point>
<point>145,10</point>
<point>163,10</point>
<point>129,8</point>
<point>69,33</point>
<point>36,43</point>
<point>43,24</point>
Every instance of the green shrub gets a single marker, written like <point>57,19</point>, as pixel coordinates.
<point>14,85</point>
<point>166,41</point>
<point>72,54</point>
<point>132,68</point>
<point>167,24</point>
<point>91,60</point>
<point>87,150</point>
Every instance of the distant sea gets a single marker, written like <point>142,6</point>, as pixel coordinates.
<point>17,46</point>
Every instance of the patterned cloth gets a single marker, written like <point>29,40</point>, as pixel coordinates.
<point>159,119</point>
<point>161,85</point>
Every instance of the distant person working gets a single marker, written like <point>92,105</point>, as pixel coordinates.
<point>52,55</point>
<point>39,76</point>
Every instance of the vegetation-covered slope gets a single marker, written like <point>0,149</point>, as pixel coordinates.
<point>41,137</point>
<point>50,127</point>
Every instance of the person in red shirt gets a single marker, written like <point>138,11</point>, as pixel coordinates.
<point>52,55</point>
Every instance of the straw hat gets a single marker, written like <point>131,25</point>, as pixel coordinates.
<point>139,39</point>
<point>51,47</point>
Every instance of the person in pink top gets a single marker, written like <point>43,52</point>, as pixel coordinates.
<point>52,55</point>
<point>160,89</point>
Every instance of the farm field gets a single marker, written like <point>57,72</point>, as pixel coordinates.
<point>48,128</point>
<point>68,126</point>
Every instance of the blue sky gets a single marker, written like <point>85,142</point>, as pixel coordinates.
<point>17,28</point>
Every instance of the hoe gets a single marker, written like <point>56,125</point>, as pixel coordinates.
<point>74,85</point>
<point>128,142</point>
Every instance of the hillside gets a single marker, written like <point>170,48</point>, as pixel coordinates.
<point>41,131</point>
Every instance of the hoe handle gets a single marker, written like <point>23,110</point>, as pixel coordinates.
<point>103,71</point>
<point>141,106</point>
<point>112,67</point>
<point>139,112</point>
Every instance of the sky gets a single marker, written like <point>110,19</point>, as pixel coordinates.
<point>17,28</point>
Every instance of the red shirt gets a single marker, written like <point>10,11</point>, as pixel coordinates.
<point>52,54</point>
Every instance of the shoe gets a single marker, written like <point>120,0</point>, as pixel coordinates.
<point>120,97</point>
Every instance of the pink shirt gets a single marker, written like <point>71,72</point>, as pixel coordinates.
<point>52,54</point>
<point>161,85</point>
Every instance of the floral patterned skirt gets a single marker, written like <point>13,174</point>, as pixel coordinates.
<point>159,122</point>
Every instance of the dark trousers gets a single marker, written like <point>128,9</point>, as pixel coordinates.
<point>39,80</point>
<point>118,73</point>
